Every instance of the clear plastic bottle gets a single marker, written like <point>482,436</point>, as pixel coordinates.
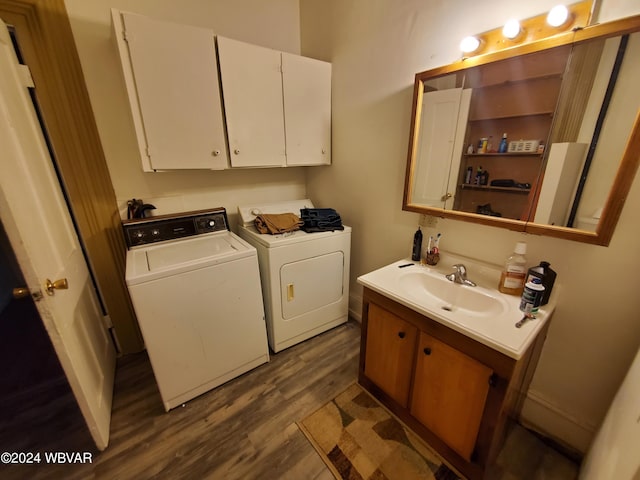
<point>515,271</point>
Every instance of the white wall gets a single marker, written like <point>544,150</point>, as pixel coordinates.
<point>614,452</point>
<point>274,24</point>
<point>376,48</point>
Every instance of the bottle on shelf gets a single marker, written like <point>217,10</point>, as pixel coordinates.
<point>478,178</point>
<point>484,178</point>
<point>502,148</point>
<point>469,174</point>
<point>514,274</point>
<point>490,144</point>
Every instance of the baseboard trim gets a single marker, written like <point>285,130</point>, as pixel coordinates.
<point>355,307</point>
<point>549,420</point>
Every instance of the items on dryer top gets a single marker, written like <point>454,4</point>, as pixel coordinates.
<point>276,223</point>
<point>136,208</point>
<point>320,220</point>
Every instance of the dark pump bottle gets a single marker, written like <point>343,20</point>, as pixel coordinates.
<point>547,278</point>
<point>417,245</point>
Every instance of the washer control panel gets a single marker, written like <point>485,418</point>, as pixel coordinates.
<point>169,227</point>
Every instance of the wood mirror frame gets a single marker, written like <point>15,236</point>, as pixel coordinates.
<point>627,166</point>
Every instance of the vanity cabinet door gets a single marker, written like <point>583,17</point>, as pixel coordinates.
<point>389,354</point>
<point>449,393</point>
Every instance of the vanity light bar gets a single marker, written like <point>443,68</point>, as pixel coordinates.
<point>558,20</point>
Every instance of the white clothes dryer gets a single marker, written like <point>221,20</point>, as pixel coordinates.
<point>305,276</point>
<point>195,288</point>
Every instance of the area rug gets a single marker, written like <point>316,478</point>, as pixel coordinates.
<point>359,439</point>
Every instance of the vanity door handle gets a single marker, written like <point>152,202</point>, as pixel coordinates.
<point>402,334</point>
<point>493,379</point>
<point>427,351</point>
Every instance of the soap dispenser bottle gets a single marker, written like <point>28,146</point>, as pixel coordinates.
<point>417,245</point>
<point>514,273</point>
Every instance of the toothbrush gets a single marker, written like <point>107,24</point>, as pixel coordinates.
<point>429,245</point>
<point>436,247</point>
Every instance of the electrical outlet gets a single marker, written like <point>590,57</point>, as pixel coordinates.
<point>428,220</point>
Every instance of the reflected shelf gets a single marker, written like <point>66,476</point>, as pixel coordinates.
<point>513,154</point>
<point>466,186</point>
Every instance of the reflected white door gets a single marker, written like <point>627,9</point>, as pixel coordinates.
<point>442,128</point>
<point>42,235</point>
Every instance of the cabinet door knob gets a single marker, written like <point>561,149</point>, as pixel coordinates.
<point>493,380</point>
<point>237,151</point>
<point>401,334</point>
<point>427,351</point>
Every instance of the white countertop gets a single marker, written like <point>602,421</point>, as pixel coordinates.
<point>492,324</point>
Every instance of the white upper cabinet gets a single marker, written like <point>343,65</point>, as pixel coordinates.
<point>171,76</point>
<point>252,89</point>
<point>277,106</point>
<point>306,85</point>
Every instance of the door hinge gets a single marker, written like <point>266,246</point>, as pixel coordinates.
<point>25,76</point>
<point>114,339</point>
<point>106,320</point>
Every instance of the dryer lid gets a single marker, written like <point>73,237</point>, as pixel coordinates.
<point>247,214</point>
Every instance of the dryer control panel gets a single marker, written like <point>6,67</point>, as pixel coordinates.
<point>162,228</point>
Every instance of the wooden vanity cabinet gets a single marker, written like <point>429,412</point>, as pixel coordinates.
<point>390,353</point>
<point>459,395</point>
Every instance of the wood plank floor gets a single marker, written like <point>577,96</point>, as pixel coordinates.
<point>244,429</point>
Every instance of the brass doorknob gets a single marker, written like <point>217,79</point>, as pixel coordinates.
<point>20,292</point>
<point>60,284</point>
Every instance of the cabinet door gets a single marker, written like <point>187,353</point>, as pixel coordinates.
<point>306,85</point>
<point>252,92</point>
<point>171,76</point>
<point>390,351</point>
<point>449,393</point>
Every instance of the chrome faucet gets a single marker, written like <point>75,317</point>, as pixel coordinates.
<point>460,275</point>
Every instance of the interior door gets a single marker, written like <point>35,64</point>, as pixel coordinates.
<point>444,117</point>
<point>41,232</point>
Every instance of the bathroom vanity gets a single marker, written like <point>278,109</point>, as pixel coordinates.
<point>447,359</point>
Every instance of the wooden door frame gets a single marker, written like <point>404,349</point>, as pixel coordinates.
<point>48,47</point>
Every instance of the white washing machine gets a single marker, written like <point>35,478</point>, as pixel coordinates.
<point>195,288</point>
<point>305,276</point>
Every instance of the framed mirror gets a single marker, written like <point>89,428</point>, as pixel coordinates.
<point>542,138</point>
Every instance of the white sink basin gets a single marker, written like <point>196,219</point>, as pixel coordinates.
<point>481,313</point>
<point>477,302</point>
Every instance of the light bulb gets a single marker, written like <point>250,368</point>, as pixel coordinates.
<point>557,16</point>
<point>511,29</point>
<point>469,44</point>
